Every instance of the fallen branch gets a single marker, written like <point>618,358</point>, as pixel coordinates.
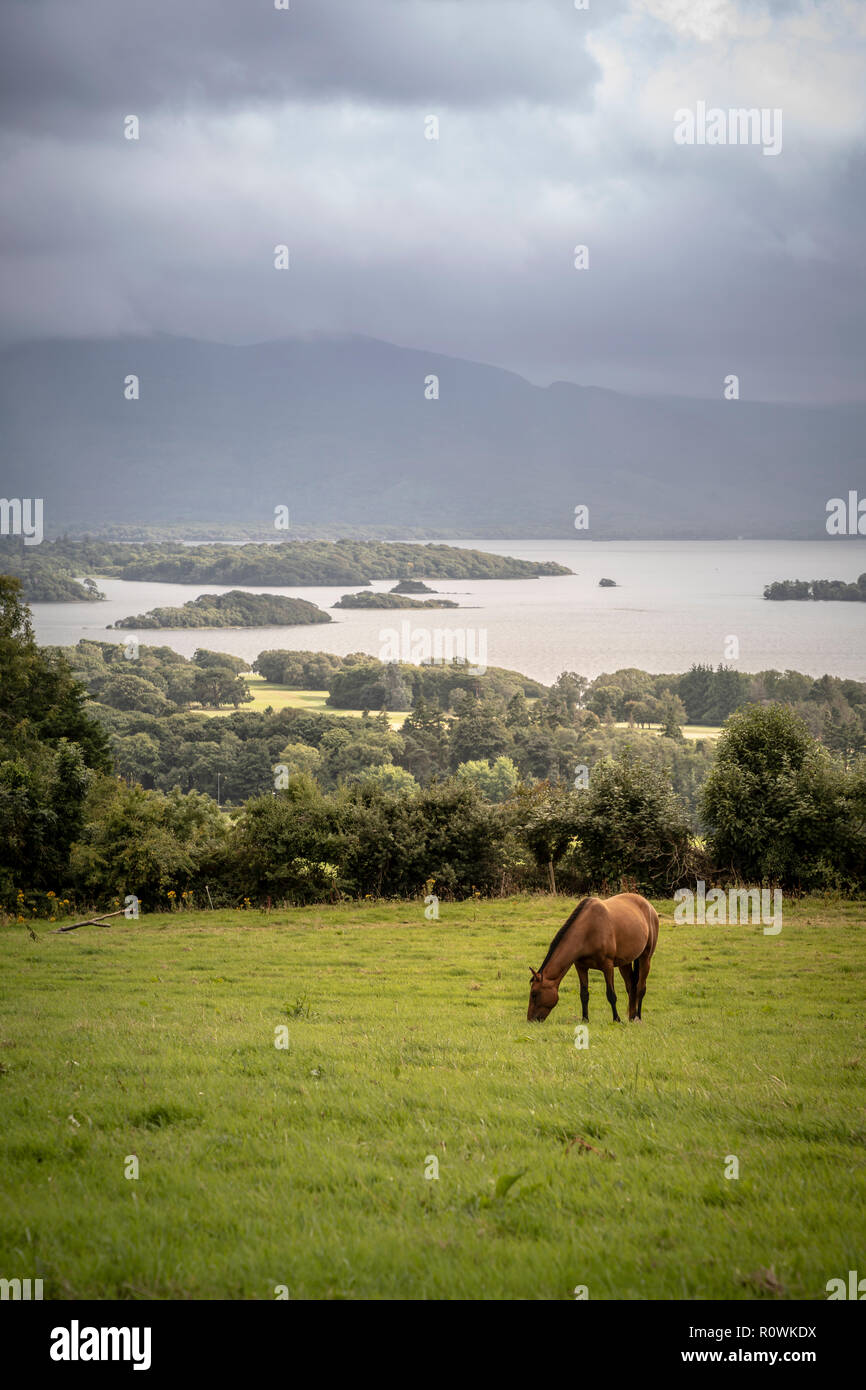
<point>91,921</point>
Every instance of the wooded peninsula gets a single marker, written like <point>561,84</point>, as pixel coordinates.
<point>52,573</point>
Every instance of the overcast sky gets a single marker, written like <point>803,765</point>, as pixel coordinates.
<point>261,126</point>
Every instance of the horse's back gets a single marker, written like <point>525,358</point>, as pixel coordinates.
<point>635,924</point>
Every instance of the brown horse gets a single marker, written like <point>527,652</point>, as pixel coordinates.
<point>600,934</point>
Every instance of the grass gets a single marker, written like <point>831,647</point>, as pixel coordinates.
<point>693,731</point>
<point>305,1166</point>
<point>279,697</point>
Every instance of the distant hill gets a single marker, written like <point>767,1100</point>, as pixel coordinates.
<point>339,431</point>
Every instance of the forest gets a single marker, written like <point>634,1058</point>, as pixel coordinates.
<point>116,781</point>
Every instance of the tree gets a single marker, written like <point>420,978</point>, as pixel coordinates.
<point>301,759</point>
<point>517,713</point>
<point>279,836</point>
<point>218,685</point>
<point>424,750</point>
<point>844,733</point>
<point>496,781</point>
<point>49,751</point>
<point>632,828</point>
<point>478,732</point>
<point>572,687</point>
<point>40,700</point>
<point>729,689</point>
<point>203,657</point>
<point>345,753</point>
<point>548,821</point>
<point>391,778</point>
<point>128,691</point>
<point>605,700</point>
<point>774,801</point>
<point>180,686</point>
<point>711,695</point>
<point>672,715</point>
<point>136,757</point>
<point>694,691</point>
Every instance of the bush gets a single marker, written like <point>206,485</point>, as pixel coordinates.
<point>632,830</point>
<point>145,843</point>
<point>774,801</point>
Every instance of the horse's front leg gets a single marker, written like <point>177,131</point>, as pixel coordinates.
<point>607,967</point>
<point>583,976</point>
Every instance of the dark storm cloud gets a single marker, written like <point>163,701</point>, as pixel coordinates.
<point>307,127</point>
<point>72,59</point>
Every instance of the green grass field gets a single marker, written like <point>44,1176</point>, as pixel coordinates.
<point>280,697</point>
<point>693,731</point>
<point>305,1166</point>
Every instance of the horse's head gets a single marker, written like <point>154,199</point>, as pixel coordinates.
<point>543,996</point>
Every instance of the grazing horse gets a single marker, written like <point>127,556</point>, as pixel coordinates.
<point>600,934</point>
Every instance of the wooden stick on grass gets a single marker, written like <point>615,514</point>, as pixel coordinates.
<point>91,921</point>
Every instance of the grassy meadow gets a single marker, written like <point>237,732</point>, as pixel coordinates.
<point>692,731</point>
<point>278,697</point>
<point>304,1165</point>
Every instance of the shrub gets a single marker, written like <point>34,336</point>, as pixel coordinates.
<point>774,801</point>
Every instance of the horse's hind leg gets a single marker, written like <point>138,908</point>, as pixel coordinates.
<point>629,975</point>
<point>583,975</point>
<point>611,992</point>
<point>643,971</point>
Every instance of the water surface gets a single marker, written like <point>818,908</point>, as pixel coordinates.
<point>676,603</point>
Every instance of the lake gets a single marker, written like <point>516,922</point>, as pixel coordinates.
<point>677,602</point>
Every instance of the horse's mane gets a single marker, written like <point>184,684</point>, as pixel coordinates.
<point>561,933</point>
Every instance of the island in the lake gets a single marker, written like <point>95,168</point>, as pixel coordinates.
<point>820,590</point>
<point>234,609</point>
<point>366,599</point>
<point>411,586</point>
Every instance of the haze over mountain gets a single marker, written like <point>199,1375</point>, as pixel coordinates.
<point>339,431</point>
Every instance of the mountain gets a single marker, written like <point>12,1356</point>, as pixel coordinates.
<point>339,431</point>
